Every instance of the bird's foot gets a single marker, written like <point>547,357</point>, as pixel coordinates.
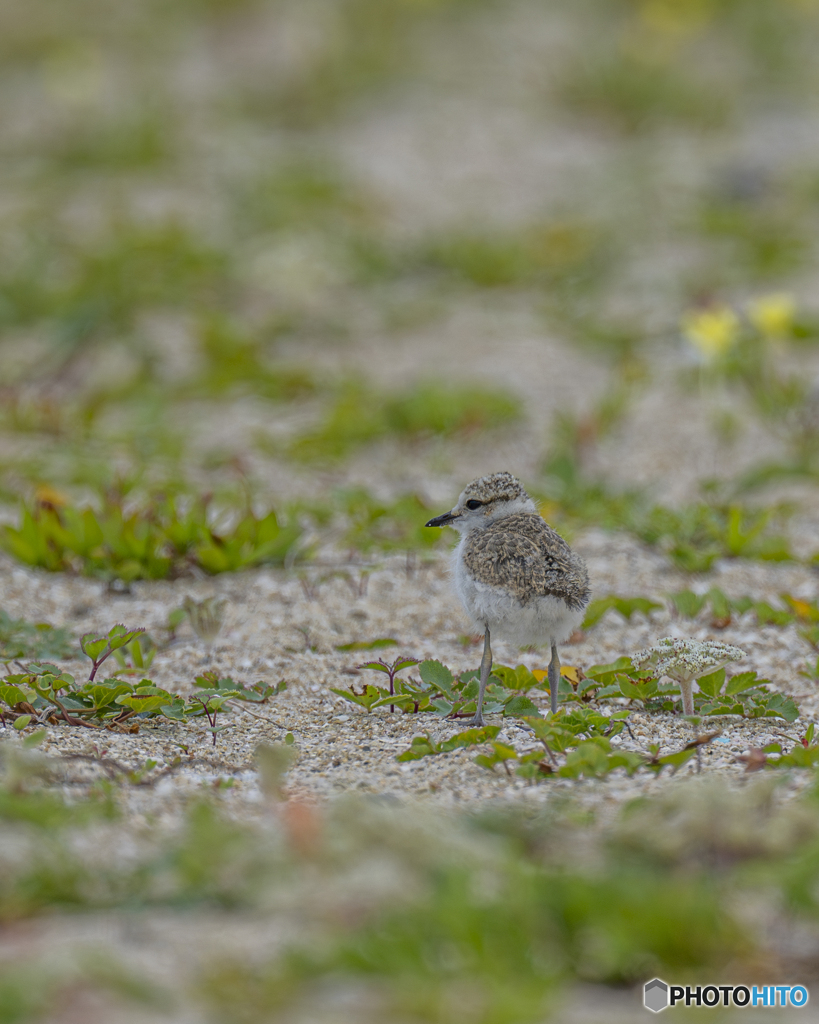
<point>478,721</point>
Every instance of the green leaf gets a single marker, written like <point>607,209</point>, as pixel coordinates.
<point>503,751</point>
<point>767,615</point>
<point>144,703</point>
<point>518,678</point>
<point>519,707</point>
<point>174,711</point>
<point>120,636</point>
<point>102,695</point>
<point>782,707</point>
<point>621,665</point>
<point>403,663</point>
<point>710,685</point>
<point>21,722</point>
<point>367,699</point>
<point>443,708</point>
<point>637,689</point>
<point>421,746</point>
<point>589,759</point>
<point>12,695</point>
<point>625,606</point>
<point>674,761</point>
<point>500,752</point>
<point>628,759</point>
<point>435,674</point>
<point>482,761</point>
<point>741,681</point>
<point>687,603</point>
<point>595,612</point>
<point>368,645</point>
<point>27,640</point>
<point>92,645</point>
<point>212,702</point>
<point>470,738</point>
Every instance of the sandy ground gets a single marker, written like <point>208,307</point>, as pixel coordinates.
<point>278,628</point>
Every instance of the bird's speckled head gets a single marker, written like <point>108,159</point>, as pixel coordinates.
<point>486,500</point>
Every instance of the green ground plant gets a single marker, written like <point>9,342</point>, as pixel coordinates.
<point>626,606</point>
<point>720,609</point>
<point>636,75</point>
<point>43,693</point>
<point>165,538</point>
<point>439,691</point>
<point>577,741</point>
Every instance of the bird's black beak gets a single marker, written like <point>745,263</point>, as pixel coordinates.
<point>447,517</point>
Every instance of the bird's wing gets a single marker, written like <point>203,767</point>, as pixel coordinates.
<point>531,560</point>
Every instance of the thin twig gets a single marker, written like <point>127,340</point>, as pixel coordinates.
<point>239,705</point>
<point>549,751</point>
<point>70,719</point>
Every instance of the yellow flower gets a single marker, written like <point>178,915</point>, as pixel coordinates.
<point>712,331</point>
<point>773,314</point>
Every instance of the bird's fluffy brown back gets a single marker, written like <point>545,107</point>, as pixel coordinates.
<point>524,555</point>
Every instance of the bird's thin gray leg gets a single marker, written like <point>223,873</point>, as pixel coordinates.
<point>486,668</point>
<point>554,677</point>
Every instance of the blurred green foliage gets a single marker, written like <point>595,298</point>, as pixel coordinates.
<point>513,905</point>
<point>360,416</point>
<point>546,255</point>
<point>372,525</point>
<point>235,362</point>
<point>164,539</point>
<point>162,252</point>
<point>95,291</point>
<point>635,92</point>
<point>30,640</point>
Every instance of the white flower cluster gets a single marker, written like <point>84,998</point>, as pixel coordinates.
<point>683,660</point>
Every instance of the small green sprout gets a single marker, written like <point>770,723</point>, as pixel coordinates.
<point>206,617</point>
<point>273,761</point>
<point>209,703</point>
<point>391,669</point>
<point>99,648</point>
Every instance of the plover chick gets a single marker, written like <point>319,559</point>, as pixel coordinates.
<point>516,576</point>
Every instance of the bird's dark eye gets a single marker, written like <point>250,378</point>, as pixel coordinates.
<point>472,504</point>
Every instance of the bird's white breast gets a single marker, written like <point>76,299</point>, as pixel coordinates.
<point>541,620</point>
